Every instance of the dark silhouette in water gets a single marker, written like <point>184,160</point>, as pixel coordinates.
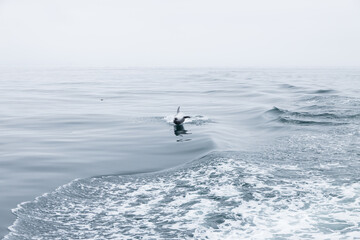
<point>180,130</point>
<point>179,118</point>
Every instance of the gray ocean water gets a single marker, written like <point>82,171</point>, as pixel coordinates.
<point>266,154</point>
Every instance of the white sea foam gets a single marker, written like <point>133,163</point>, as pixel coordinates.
<point>217,198</point>
<point>196,120</point>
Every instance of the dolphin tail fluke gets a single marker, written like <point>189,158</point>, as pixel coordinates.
<point>178,110</point>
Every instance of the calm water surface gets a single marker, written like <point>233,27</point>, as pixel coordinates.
<point>92,154</point>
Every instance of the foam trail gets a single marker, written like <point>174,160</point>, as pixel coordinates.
<point>222,196</point>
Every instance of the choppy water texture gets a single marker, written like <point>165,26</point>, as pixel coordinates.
<point>267,154</point>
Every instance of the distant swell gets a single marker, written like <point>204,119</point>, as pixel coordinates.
<point>313,115</point>
<point>316,117</point>
<point>324,91</point>
<point>306,122</point>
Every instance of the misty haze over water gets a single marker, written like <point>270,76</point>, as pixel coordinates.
<point>89,90</point>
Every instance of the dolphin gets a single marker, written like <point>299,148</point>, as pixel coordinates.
<point>179,118</point>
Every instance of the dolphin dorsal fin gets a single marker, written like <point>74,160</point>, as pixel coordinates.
<point>178,110</point>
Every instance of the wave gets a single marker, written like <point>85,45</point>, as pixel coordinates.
<point>288,86</point>
<point>324,91</point>
<point>279,111</point>
<point>311,118</point>
<point>306,122</point>
<point>223,195</point>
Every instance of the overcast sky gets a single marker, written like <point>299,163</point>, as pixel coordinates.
<point>180,33</point>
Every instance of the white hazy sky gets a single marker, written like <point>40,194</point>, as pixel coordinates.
<point>180,33</point>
